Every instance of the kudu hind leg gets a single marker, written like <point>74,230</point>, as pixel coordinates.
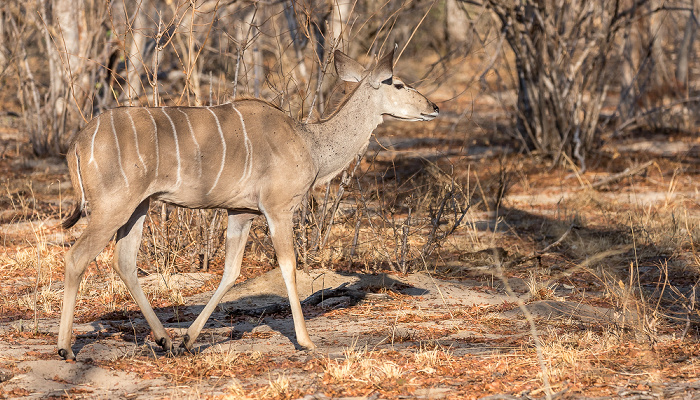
<point>236,237</point>
<point>95,237</point>
<point>125,252</point>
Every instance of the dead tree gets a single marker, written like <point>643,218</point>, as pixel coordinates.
<point>562,51</point>
<point>67,35</point>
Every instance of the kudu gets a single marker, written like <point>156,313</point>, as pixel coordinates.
<point>247,157</point>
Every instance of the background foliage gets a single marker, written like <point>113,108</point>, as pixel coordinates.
<point>581,73</point>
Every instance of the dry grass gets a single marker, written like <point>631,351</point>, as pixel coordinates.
<point>361,365</point>
<point>628,251</point>
<point>540,290</point>
<point>277,388</point>
<point>429,206</point>
<point>431,356</point>
<point>576,354</point>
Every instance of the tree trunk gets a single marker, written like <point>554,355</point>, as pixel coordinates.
<point>629,54</point>
<point>3,41</point>
<point>685,49</point>
<point>66,45</point>
<point>340,11</point>
<point>456,25</point>
<point>657,36</point>
<point>136,29</point>
<point>248,47</point>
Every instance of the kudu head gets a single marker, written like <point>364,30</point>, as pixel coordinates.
<point>393,96</point>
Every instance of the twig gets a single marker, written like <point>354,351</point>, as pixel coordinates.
<point>156,50</point>
<point>414,30</point>
<point>538,254</point>
<point>404,242</point>
<point>320,223</point>
<point>320,295</point>
<point>632,122</point>
<point>341,190</point>
<point>689,309</point>
<point>235,76</point>
<point>193,62</point>
<point>314,299</point>
<point>614,178</point>
<point>356,236</point>
<point>547,388</point>
<point>321,75</point>
<point>38,277</point>
<point>36,286</point>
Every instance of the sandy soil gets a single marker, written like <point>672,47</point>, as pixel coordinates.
<point>271,335</point>
<point>476,318</point>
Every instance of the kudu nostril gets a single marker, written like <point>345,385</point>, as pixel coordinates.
<point>436,108</point>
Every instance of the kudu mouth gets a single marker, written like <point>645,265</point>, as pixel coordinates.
<point>422,117</point>
<point>429,117</point>
<point>432,115</point>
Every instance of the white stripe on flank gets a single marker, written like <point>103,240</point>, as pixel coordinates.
<point>177,147</point>
<point>248,168</point>
<point>92,146</point>
<point>136,141</point>
<point>80,180</point>
<point>223,153</point>
<point>194,139</point>
<point>119,153</point>
<point>155,135</point>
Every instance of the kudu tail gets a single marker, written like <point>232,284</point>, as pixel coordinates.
<point>76,178</point>
<point>73,217</point>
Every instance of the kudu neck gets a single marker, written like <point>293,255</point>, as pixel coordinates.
<point>336,141</point>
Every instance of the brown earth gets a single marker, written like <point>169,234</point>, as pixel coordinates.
<point>606,312</point>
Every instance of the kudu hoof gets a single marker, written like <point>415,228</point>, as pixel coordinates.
<point>186,345</point>
<point>165,343</point>
<point>175,352</point>
<point>307,346</point>
<point>66,355</point>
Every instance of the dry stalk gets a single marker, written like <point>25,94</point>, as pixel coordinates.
<point>36,288</point>
<point>533,330</point>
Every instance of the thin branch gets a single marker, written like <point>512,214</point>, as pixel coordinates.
<point>614,178</point>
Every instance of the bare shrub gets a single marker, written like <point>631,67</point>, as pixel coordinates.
<point>564,56</point>
<point>56,99</point>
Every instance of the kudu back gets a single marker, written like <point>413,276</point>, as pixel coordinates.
<point>247,157</point>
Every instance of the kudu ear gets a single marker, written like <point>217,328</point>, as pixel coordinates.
<point>348,69</point>
<point>384,69</point>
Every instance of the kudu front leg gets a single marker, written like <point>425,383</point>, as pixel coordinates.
<point>281,231</point>
<point>236,237</point>
<point>124,263</point>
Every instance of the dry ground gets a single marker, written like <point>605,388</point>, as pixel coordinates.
<point>566,286</point>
